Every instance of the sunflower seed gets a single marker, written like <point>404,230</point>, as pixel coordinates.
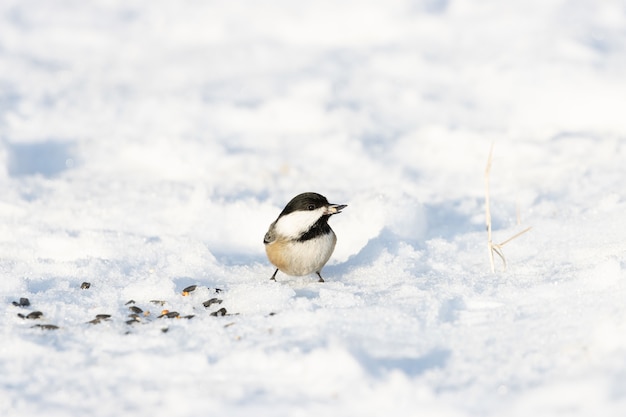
<point>209,303</point>
<point>135,309</point>
<point>34,315</point>
<point>221,312</point>
<point>170,314</point>
<point>46,326</point>
<point>189,289</point>
<point>24,302</point>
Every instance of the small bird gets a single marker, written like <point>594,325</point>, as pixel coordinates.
<point>300,241</point>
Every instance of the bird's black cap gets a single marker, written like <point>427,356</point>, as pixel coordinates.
<point>304,202</point>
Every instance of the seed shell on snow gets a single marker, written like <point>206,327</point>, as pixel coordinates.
<point>135,309</point>
<point>170,315</point>
<point>189,289</point>
<point>100,318</point>
<point>209,303</point>
<point>34,315</point>
<point>221,312</point>
<point>158,302</point>
<point>46,326</point>
<point>85,285</point>
<point>24,302</point>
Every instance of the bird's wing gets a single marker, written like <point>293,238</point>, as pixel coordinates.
<point>270,236</point>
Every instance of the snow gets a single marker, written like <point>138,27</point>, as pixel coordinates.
<point>146,146</point>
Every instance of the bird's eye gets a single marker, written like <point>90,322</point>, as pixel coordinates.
<point>311,207</point>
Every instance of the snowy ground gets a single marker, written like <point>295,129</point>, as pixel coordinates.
<point>147,145</point>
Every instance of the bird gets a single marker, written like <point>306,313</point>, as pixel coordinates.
<point>300,241</point>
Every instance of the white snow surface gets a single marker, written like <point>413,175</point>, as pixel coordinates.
<point>147,145</point>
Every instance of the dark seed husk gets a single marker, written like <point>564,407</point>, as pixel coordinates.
<point>189,316</point>
<point>170,315</point>
<point>135,309</point>
<point>34,315</point>
<point>46,326</point>
<point>24,302</point>
<point>129,302</point>
<point>190,289</point>
<point>131,321</point>
<point>158,302</point>
<point>99,318</point>
<point>221,312</point>
<point>85,285</point>
<point>209,303</point>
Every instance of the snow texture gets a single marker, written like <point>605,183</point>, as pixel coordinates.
<point>146,146</point>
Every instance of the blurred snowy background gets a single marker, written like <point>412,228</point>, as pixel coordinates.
<point>145,146</point>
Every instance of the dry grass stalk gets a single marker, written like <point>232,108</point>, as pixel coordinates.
<point>495,247</point>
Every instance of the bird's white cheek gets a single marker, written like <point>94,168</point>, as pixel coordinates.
<point>295,224</point>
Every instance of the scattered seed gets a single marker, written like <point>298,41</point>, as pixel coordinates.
<point>229,324</point>
<point>34,315</point>
<point>135,309</point>
<point>221,312</point>
<point>99,318</point>
<point>209,303</point>
<point>170,314</point>
<point>158,302</point>
<point>46,326</point>
<point>189,289</point>
<point>164,330</point>
<point>272,314</point>
<point>24,302</point>
<point>135,316</point>
<point>85,285</point>
<point>129,302</point>
<point>20,315</point>
<point>189,316</point>
<point>131,321</point>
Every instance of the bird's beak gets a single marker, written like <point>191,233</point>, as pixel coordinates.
<point>335,208</point>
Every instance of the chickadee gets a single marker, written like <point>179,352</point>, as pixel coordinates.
<point>300,241</point>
